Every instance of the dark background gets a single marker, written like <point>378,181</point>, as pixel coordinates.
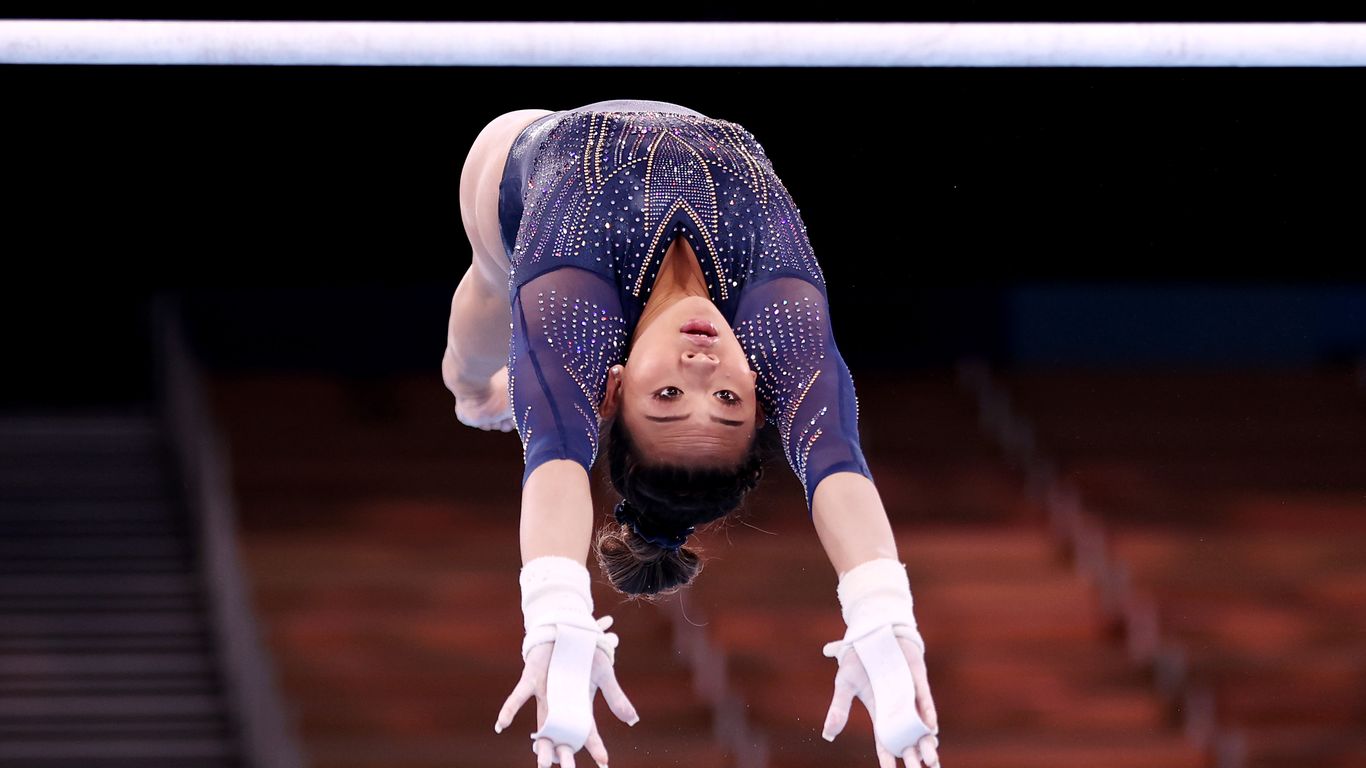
<point>1035,216</point>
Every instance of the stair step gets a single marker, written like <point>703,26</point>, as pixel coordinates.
<point>76,586</point>
<point>36,730</point>
<point>626,747</point>
<point>110,751</point>
<point>23,567</point>
<point>994,748</point>
<point>81,546</point>
<point>16,625</point>
<point>130,707</point>
<point>76,511</point>
<point>36,665</point>
<point>431,712</point>
<point>1271,745</point>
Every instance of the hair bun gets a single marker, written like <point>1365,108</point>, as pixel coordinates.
<point>626,514</point>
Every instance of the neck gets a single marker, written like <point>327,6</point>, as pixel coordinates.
<point>680,276</point>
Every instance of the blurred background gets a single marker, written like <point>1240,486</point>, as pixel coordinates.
<point>1107,328</point>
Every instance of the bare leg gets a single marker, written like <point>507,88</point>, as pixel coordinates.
<point>477,334</point>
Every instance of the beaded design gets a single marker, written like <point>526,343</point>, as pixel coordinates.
<point>606,192</point>
<point>586,338</point>
<point>786,343</point>
<point>610,190</point>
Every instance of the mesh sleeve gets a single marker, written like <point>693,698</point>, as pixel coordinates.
<point>567,331</point>
<point>804,385</point>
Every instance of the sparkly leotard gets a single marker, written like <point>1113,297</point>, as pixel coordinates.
<point>590,200</point>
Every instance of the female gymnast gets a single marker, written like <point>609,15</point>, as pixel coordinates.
<point>639,268</point>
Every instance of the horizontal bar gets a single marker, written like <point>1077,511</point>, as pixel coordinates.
<point>682,44</point>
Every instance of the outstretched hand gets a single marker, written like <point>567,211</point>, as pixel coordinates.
<point>564,714</point>
<point>906,726</point>
<point>488,408</point>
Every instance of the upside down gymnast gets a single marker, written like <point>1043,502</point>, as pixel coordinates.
<point>659,288</point>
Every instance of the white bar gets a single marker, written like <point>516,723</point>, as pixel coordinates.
<point>682,44</point>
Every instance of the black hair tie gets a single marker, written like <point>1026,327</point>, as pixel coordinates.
<point>625,514</point>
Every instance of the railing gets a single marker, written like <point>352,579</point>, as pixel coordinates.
<point>730,726</point>
<point>675,44</point>
<point>1083,536</point>
<point>267,738</point>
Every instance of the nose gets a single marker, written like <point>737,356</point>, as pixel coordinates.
<point>701,360</point>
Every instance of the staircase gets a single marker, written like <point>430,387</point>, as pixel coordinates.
<point>106,654</point>
<point>381,539</point>
<point>1023,666</point>
<point>1235,503</point>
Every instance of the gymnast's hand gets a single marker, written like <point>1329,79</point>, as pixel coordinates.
<point>566,717</point>
<point>487,407</point>
<point>882,662</point>
<point>909,726</point>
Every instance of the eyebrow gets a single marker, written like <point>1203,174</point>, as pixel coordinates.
<point>717,419</point>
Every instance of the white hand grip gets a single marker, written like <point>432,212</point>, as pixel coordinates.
<point>898,724</point>
<point>568,688</point>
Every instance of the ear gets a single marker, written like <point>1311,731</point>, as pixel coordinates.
<point>759,418</point>
<point>611,398</point>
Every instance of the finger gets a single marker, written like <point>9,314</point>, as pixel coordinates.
<point>566,756</point>
<point>885,758</point>
<point>596,749</point>
<point>545,756</point>
<point>911,756</point>
<point>838,714</point>
<point>928,752</point>
<point>525,687</point>
<point>923,699</point>
<point>616,699</point>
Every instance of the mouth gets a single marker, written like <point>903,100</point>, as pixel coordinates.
<point>700,332</point>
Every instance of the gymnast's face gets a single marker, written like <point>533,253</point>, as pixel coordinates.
<point>687,397</point>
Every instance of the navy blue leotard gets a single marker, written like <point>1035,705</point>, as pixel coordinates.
<point>590,200</point>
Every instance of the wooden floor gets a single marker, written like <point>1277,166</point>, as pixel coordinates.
<point>381,538</point>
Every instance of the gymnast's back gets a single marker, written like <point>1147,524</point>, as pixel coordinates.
<point>590,200</point>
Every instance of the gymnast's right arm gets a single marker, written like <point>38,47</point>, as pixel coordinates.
<point>562,343</point>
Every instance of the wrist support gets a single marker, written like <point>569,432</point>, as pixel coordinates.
<point>557,606</point>
<point>556,591</point>
<point>873,595</point>
<point>875,599</point>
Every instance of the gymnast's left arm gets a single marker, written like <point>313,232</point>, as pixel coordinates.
<point>808,392</point>
<point>882,655</point>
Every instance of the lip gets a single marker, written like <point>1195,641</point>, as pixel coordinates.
<point>699,339</point>
<point>700,326</point>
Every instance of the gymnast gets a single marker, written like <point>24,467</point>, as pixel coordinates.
<point>641,273</point>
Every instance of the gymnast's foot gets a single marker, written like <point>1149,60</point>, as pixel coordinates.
<point>487,409</point>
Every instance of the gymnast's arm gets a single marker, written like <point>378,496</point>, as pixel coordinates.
<point>851,522</point>
<point>557,511</point>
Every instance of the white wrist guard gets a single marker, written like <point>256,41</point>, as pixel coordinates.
<point>556,591</point>
<point>557,606</point>
<point>872,595</point>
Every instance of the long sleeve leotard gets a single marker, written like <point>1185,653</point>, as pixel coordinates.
<point>590,200</point>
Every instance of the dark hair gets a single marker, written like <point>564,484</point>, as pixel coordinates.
<point>660,501</point>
